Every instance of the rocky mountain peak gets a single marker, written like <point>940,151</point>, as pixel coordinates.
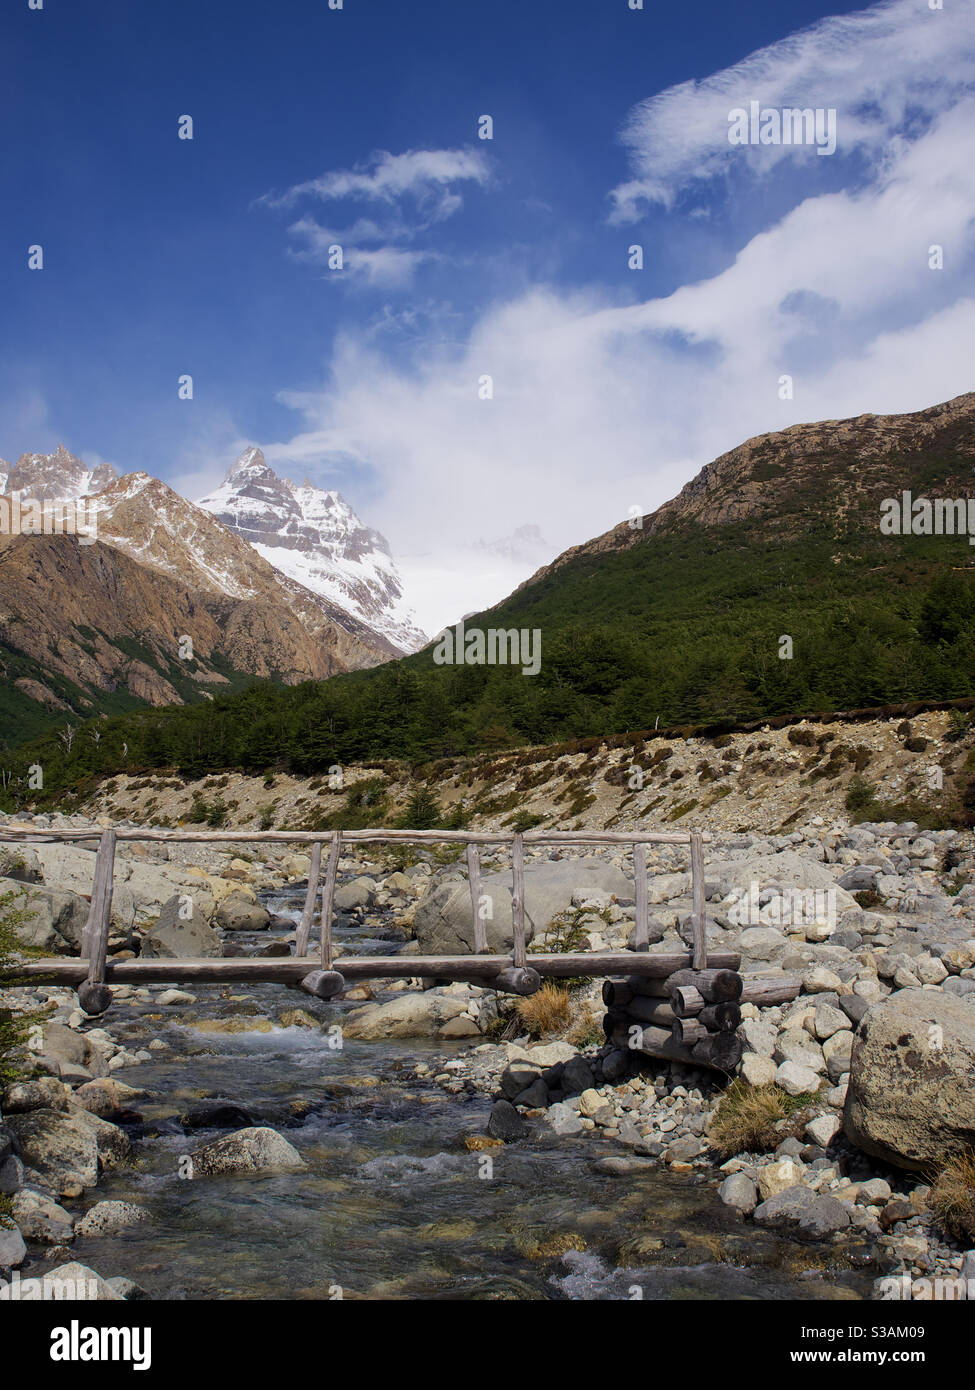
<point>51,477</point>
<point>315,538</point>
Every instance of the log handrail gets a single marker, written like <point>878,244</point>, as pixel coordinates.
<point>511,972</point>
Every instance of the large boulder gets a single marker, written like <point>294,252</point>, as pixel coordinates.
<point>236,913</point>
<point>68,1148</point>
<point>443,921</point>
<point>176,935</point>
<point>140,889</point>
<point>253,1150</point>
<point>911,1097</point>
<point>407,1016</point>
<point>53,919</point>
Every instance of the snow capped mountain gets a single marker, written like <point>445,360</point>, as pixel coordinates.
<point>315,539</point>
<point>54,477</point>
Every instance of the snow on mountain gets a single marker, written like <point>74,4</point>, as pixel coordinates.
<point>314,538</point>
<point>54,477</point>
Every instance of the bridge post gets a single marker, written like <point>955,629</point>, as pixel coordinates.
<point>328,895</point>
<point>307,912</point>
<point>474,878</point>
<point>94,995</point>
<point>700,950</point>
<point>641,932</point>
<point>518,947</point>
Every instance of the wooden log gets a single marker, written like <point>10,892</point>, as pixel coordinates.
<point>517,980</point>
<point>617,993</point>
<point>614,1020</point>
<point>770,989</point>
<point>641,932</point>
<point>401,837</point>
<point>662,986</point>
<point>720,1018</point>
<point>474,877</point>
<point>688,1030</point>
<point>289,969</point>
<point>94,996</point>
<point>328,898</point>
<point>686,1001</point>
<point>323,984</point>
<point>700,948</point>
<point>722,1051</point>
<point>307,912</point>
<point>713,985</point>
<point>655,1042</point>
<point>519,948</point>
<point>644,1009</point>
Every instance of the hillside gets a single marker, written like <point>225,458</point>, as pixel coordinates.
<point>96,630</point>
<point>680,622</point>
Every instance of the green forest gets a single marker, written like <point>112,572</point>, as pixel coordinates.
<point>682,628</point>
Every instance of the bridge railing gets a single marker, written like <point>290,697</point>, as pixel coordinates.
<point>511,973</point>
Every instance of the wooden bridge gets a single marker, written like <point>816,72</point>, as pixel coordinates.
<point>680,1005</point>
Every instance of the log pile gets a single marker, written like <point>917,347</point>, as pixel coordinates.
<point>692,1016</point>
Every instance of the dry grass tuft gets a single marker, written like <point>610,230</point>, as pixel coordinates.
<point>746,1118</point>
<point>549,1011</point>
<point>952,1198</point>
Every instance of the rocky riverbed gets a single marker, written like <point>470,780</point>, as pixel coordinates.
<point>876,1056</point>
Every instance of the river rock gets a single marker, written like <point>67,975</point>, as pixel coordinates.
<point>176,936</point>
<point>236,913</point>
<point>810,1215</point>
<point>505,1123</point>
<point>67,1149</point>
<point>109,1218</point>
<point>563,1119</point>
<point>407,1016</point>
<point>13,1251</point>
<point>740,1192</point>
<point>911,1097</point>
<point>40,1219</point>
<point>359,892</point>
<point>54,918</point>
<point>777,1177</point>
<point>443,921</point>
<point>253,1150</point>
<point>71,1282</point>
<point>107,1097</point>
<point>41,1091</point>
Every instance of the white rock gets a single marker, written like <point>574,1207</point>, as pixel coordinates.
<point>823,1129</point>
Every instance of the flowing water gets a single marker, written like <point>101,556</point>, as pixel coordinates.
<point>392,1203</point>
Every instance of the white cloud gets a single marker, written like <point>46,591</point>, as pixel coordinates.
<point>414,191</point>
<point>390,177</point>
<point>881,69</point>
<point>598,408</point>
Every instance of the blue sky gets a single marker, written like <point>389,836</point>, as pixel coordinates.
<point>466,257</point>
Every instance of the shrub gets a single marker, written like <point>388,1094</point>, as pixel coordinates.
<point>524,820</point>
<point>548,1011</point>
<point>859,794</point>
<point>13,1027</point>
<point>802,738</point>
<point>747,1119</point>
<point>421,811</point>
<point>952,1198</point>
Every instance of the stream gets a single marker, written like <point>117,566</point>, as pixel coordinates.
<point>392,1204</point>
